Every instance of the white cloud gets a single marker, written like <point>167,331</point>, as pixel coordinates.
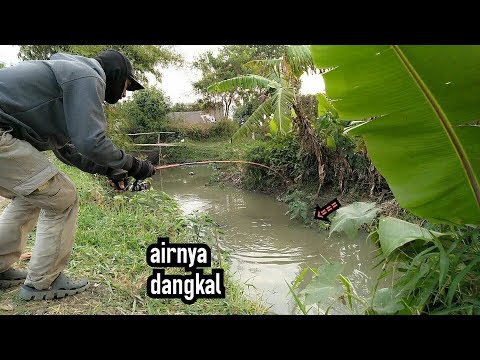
<point>8,54</point>
<point>190,52</point>
<point>177,82</point>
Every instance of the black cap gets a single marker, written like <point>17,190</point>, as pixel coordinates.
<point>117,70</point>
<point>134,84</point>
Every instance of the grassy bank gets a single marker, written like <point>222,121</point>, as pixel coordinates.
<point>113,233</point>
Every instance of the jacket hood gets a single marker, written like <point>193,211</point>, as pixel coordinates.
<point>115,67</point>
<point>85,60</point>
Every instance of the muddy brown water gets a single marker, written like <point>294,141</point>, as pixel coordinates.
<point>267,249</point>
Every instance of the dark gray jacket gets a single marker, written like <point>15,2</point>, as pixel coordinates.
<point>56,105</point>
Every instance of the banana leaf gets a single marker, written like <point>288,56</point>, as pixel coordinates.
<point>420,113</point>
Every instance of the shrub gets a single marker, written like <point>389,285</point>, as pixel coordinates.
<point>222,129</point>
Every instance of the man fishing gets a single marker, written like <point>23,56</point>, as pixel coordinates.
<point>56,104</point>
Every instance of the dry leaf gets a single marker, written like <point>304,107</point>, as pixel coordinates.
<point>6,307</point>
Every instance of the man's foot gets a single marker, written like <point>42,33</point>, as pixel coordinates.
<point>61,287</point>
<point>12,277</point>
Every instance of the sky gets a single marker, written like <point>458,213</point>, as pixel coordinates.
<point>177,82</point>
<point>8,54</point>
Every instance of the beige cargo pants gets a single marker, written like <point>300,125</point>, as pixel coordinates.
<point>42,196</point>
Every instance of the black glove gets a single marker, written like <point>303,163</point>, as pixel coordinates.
<point>141,169</point>
<point>118,175</point>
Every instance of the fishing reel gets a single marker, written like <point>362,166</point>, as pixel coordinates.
<point>137,185</point>
<point>119,175</point>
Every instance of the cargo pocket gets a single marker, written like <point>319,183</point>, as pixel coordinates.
<point>23,168</point>
<point>57,194</point>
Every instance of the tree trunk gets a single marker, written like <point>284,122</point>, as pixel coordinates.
<point>229,102</point>
<point>310,142</point>
<point>224,103</point>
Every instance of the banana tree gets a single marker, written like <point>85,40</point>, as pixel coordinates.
<point>281,82</point>
<point>278,104</point>
<point>418,111</point>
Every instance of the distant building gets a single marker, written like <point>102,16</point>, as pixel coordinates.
<point>196,117</point>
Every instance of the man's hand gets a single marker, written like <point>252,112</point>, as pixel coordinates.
<point>141,169</point>
<point>119,187</point>
<point>117,178</point>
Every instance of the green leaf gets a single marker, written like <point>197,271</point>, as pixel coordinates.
<point>279,105</point>
<point>264,65</point>
<point>456,281</point>
<point>244,82</point>
<point>331,143</point>
<point>293,114</point>
<point>324,285</point>
<point>300,277</point>
<point>426,291</point>
<point>301,305</point>
<point>443,262</point>
<point>408,283</point>
<point>273,127</point>
<point>299,58</point>
<point>348,289</point>
<point>423,138</point>
<point>394,233</point>
<point>282,103</point>
<point>386,302</point>
<point>351,217</point>
<point>259,115</point>
<point>324,106</point>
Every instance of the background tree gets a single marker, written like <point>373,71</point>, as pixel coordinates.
<point>280,87</point>
<point>186,107</point>
<point>244,111</point>
<point>267,51</point>
<point>2,65</point>
<point>40,52</point>
<point>146,111</point>
<point>230,62</point>
<point>144,58</point>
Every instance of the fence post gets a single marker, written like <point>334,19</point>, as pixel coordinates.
<point>158,144</point>
<point>159,150</point>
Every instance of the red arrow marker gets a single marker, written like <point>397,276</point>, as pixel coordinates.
<point>321,213</point>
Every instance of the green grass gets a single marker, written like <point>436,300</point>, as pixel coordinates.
<point>113,233</point>
<point>208,150</point>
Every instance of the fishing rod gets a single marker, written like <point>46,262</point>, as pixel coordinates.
<point>161,167</point>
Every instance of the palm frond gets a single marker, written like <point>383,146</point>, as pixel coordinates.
<point>282,102</point>
<point>265,66</point>
<point>299,58</point>
<point>265,109</point>
<point>244,82</point>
